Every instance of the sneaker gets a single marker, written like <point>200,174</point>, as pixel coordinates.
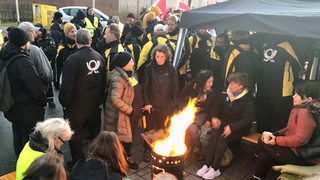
<point>211,174</point>
<point>256,178</point>
<point>203,170</point>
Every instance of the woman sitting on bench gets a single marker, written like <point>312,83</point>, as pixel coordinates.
<point>281,147</point>
<point>229,124</point>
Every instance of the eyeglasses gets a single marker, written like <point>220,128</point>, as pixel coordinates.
<point>63,142</point>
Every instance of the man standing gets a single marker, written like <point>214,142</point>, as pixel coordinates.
<point>94,27</point>
<point>82,90</point>
<point>200,45</point>
<point>173,33</point>
<point>278,71</point>
<point>37,56</point>
<point>112,37</point>
<point>26,88</point>
<point>65,49</point>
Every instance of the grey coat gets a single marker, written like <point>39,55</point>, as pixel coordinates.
<point>118,105</point>
<point>42,64</point>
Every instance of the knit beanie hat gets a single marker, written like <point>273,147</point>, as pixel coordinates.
<point>68,27</point>
<point>121,59</point>
<point>150,16</point>
<point>81,14</point>
<point>137,30</point>
<point>57,15</point>
<point>18,37</point>
<point>131,15</point>
<point>155,9</point>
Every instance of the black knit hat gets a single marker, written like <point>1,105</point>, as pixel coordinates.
<point>121,59</point>
<point>81,14</point>
<point>57,15</point>
<point>130,15</point>
<point>137,30</point>
<point>18,37</point>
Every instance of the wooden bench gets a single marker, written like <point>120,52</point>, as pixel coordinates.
<point>9,176</point>
<point>252,137</point>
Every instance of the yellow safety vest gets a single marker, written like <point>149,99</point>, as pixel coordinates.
<point>27,156</point>
<point>1,40</point>
<point>91,27</point>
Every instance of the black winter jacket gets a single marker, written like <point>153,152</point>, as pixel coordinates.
<point>160,86</point>
<point>26,87</point>
<point>239,114</point>
<point>84,77</point>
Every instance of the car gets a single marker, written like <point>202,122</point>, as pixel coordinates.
<point>69,11</point>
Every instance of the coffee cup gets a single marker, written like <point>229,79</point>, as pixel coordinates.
<point>266,136</point>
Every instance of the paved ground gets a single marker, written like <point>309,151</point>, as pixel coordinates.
<point>239,169</point>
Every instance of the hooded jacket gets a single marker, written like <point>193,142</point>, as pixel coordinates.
<point>26,87</point>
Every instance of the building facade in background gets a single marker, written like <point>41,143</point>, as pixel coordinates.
<point>109,7</point>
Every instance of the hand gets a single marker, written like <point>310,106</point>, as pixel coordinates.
<point>148,108</point>
<point>207,124</point>
<point>272,140</point>
<point>216,123</point>
<point>226,131</point>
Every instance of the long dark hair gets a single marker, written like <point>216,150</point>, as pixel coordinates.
<point>107,147</point>
<point>200,80</point>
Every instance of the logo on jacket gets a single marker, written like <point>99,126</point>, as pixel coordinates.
<point>93,66</point>
<point>269,54</point>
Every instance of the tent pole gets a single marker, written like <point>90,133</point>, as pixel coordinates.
<point>314,73</point>
<point>180,42</point>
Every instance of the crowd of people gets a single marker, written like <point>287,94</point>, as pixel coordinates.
<point>127,73</point>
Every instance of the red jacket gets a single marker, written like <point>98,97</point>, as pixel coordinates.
<point>299,130</point>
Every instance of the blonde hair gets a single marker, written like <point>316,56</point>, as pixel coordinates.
<point>174,18</point>
<point>52,128</point>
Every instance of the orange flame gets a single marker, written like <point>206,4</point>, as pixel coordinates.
<point>174,143</point>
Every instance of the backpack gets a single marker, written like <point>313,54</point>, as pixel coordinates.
<point>311,150</point>
<point>6,99</point>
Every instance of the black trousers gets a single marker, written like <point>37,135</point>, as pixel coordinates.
<point>217,146</point>
<point>49,94</point>
<point>21,134</point>
<point>272,113</point>
<point>82,120</point>
<point>156,119</point>
<point>270,155</point>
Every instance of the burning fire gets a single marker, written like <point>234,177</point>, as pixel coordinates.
<point>173,144</point>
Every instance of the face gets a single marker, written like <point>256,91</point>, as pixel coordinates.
<point>90,12</point>
<point>171,25</point>
<point>208,85</point>
<point>298,100</point>
<point>72,34</point>
<point>129,66</point>
<point>38,34</point>
<point>59,141</point>
<point>235,87</point>
<point>32,35</point>
<point>202,31</point>
<point>160,58</point>
<point>130,20</point>
<point>108,36</point>
<point>221,42</point>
